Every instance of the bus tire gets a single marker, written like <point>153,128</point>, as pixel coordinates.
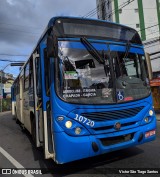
<point>33,128</point>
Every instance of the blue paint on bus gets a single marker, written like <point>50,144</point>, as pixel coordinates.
<point>81,129</point>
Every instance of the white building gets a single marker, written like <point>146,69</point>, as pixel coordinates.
<point>142,15</point>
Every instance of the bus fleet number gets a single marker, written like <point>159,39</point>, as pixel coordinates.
<point>84,120</point>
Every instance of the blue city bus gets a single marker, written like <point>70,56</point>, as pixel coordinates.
<point>84,90</point>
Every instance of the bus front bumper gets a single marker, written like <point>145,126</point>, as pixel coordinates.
<point>69,148</point>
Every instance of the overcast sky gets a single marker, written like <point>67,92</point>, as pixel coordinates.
<point>23,21</point>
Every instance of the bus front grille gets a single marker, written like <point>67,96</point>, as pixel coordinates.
<point>113,115</point>
<point>111,127</point>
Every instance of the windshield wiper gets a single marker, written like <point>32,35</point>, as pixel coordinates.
<point>128,45</point>
<point>122,64</point>
<point>92,50</point>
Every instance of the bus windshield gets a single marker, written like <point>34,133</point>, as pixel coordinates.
<point>82,79</point>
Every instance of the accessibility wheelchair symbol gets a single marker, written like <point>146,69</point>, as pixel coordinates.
<point>120,95</point>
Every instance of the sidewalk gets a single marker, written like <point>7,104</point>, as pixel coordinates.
<point>5,112</point>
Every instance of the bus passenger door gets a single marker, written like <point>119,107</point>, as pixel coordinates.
<point>19,105</point>
<point>47,118</point>
<point>38,124</point>
<point>26,109</point>
<point>21,98</point>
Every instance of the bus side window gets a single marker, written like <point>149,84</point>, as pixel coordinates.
<point>17,87</point>
<point>15,91</point>
<point>38,76</point>
<point>26,77</point>
<point>31,74</point>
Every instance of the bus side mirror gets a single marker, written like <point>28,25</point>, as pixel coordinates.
<point>52,47</point>
<point>149,66</point>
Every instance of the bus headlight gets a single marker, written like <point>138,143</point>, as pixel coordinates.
<point>78,131</point>
<point>68,124</point>
<point>151,113</point>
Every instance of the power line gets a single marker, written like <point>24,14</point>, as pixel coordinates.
<point>143,8</point>
<point>155,53</point>
<point>90,12</point>
<point>153,41</point>
<point>126,3</point>
<point>158,57</point>
<point>148,27</point>
<point>7,60</point>
<point>153,33</point>
<point>12,54</point>
<point>94,11</point>
<point>150,46</point>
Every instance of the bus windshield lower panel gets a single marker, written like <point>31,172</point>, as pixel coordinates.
<point>82,79</point>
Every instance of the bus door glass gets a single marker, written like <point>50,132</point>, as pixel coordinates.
<point>38,97</point>
<point>26,96</point>
<point>18,115</point>
<point>21,98</point>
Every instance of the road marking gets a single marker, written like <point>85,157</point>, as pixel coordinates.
<point>13,161</point>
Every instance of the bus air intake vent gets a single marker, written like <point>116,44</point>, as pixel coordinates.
<point>117,139</point>
<point>113,115</point>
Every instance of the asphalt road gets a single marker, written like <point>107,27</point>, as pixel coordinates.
<point>17,150</point>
